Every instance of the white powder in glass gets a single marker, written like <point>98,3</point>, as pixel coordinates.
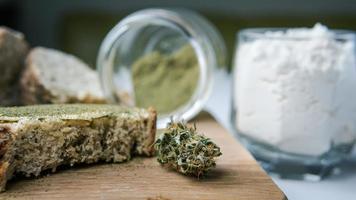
<point>296,90</point>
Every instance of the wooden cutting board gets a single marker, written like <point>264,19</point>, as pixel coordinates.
<point>237,176</point>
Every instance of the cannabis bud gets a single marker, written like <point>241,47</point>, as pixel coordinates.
<point>183,149</point>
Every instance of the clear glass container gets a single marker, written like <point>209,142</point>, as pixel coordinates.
<point>294,104</point>
<point>150,39</point>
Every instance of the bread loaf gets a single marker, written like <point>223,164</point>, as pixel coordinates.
<point>43,137</point>
<point>13,50</point>
<point>51,76</point>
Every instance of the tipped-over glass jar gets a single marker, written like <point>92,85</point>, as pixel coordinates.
<point>162,58</point>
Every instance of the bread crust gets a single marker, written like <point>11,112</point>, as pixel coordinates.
<point>5,156</point>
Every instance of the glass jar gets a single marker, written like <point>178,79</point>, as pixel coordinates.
<point>294,106</point>
<point>147,59</point>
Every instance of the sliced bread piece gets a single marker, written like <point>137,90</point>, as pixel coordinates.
<point>13,50</point>
<point>52,76</point>
<point>43,137</point>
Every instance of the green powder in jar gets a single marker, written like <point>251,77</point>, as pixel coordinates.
<point>165,82</point>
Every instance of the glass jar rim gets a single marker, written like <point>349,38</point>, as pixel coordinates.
<point>260,33</point>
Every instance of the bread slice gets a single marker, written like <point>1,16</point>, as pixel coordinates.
<point>43,137</point>
<point>13,50</point>
<point>52,76</point>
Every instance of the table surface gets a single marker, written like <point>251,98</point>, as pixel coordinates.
<point>340,186</point>
<point>236,176</point>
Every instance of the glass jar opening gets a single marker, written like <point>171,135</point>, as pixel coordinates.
<point>157,57</point>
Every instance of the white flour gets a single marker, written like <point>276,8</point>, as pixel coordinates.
<point>297,94</point>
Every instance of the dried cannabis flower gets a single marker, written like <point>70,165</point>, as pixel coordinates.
<point>183,149</point>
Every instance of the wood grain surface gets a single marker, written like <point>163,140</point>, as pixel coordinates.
<point>237,176</point>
